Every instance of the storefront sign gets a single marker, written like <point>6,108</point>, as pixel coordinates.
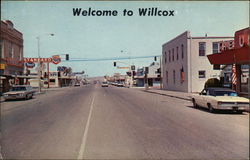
<point>226,45</point>
<point>241,37</point>
<point>30,64</point>
<point>54,59</point>
<point>2,66</point>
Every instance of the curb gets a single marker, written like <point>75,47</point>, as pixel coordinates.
<point>164,94</point>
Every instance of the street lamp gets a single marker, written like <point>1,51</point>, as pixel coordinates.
<point>39,62</point>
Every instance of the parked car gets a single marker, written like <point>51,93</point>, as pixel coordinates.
<point>77,84</point>
<point>105,84</point>
<point>19,92</point>
<point>120,85</point>
<point>220,99</point>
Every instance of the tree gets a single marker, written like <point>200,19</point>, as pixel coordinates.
<point>212,82</point>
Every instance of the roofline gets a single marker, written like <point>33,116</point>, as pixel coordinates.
<point>186,32</point>
<point>4,21</point>
<point>209,37</point>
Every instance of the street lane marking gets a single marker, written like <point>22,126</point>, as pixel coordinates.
<point>84,138</point>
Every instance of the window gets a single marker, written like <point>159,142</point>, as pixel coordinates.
<point>1,49</point>
<point>174,76</point>
<point>169,58</point>
<point>182,75</point>
<point>202,74</point>
<point>215,47</point>
<point>11,50</point>
<point>20,53</point>
<point>182,51</point>
<point>177,56</point>
<point>173,54</point>
<point>165,57</point>
<point>167,77</point>
<point>202,48</point>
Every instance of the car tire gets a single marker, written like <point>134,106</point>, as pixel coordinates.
<point>26,97</point>
<point>239,112</point>
<point>194,103</point>
<point>210,108</point>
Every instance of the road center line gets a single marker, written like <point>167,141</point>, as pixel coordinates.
<point>84,138</point>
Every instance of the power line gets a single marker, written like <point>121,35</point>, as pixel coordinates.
<point>106,59</point>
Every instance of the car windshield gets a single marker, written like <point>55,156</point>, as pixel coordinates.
<point>104,82</point>
<point>225,93</point>
<point>18,89</point>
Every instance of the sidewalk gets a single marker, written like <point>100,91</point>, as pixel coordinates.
<point>175,94</point>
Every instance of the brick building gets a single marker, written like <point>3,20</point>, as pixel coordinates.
<point>11,47</point>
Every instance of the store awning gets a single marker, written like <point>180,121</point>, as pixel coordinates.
<point>237,56</point>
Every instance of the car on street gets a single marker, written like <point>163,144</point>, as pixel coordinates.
<point>105,84</point>
<point>120,85</point>
<point>220,99</point>
<point>77,84</point>
<point>19,92</point>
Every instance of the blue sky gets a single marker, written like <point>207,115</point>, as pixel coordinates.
<point>104,37</point>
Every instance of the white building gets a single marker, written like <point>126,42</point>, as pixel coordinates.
<point>185,64</point>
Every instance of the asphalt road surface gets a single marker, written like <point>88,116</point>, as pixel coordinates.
<point>92,122</point>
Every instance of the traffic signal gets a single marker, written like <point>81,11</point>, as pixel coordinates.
<point>114,64</point>
<point>67,57</point>
<point>155,58</point>
<point>133,67</point>
<point>146,70</point>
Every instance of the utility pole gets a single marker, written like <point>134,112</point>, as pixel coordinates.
<point>39,63</point>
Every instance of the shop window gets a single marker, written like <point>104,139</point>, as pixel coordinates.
<point>202,74</point>
<point>202,48</point>
<point>215,47</point>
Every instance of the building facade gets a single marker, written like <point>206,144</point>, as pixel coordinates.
<point>185,64</point>
<point>237,56</point>
<point>11,47</point>
<point>153,76</point>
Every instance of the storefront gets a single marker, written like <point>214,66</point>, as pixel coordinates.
<point>236,54</point>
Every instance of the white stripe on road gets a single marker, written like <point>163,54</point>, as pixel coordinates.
<point>84,138</point>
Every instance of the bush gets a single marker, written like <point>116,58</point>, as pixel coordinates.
<point>212,82</point>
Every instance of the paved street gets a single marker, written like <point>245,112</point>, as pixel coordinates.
<point>91,122</point>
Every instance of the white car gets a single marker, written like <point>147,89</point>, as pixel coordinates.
<point>19,92</point>
<point>220,99</point>
<point>105,84</point>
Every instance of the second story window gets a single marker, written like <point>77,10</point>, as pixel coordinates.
<point>177,54</point>
<point>215,47</point>
<point>11,50</point>
<point>182,51</point>
<point>202,48</point>
<point>169,58</point>
<point>165,55</point>
<point>173,54</point>
<point>1,49</point>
